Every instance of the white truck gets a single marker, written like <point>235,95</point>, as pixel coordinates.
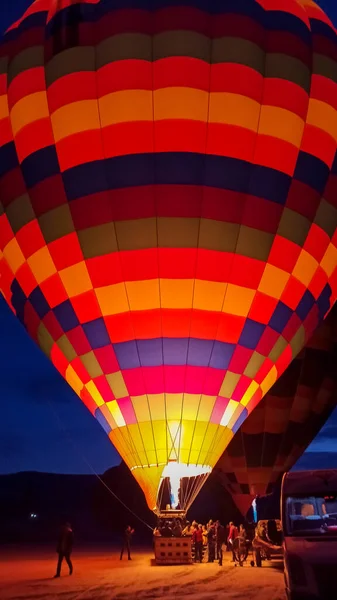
<point>309,519</point>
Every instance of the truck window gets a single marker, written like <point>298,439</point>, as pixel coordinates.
<point>311,515</point>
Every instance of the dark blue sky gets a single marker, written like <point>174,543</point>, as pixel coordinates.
<point>37,404</point>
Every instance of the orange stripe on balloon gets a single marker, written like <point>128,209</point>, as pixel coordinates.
<point>29,110</point>
<point>75,118</point>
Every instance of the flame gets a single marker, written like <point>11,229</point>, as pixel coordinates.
<point>176,471</point>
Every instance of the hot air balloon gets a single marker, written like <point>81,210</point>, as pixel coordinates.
<point>286,421</point>
<point>168,211</point>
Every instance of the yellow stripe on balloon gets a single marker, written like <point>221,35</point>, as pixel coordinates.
<point>75,118</point>
<point>116,413</point>
<point>206,406</point>
<point>282,124</point>
<point>176,293</point>
<point>234,109</point>
<point>209,295</point>
<point>108,416</point>
<point>141,407</point>
<point>235,416</point>
<point>174,404</point>
<point>323,116</point>
<point>167,103</point>
<point>112,299</point>
<point>180,103</point>
<point>230,409</point>
<point>126,106</point>
<point>246,398</point>
<point>156,406</point>
<point>29,109</point>
<point>94,393</point>
<point>143,295</point>
<point>238,300</point>
<point>269,380</point>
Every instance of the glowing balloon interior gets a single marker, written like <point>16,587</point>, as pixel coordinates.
<point>168,185</point>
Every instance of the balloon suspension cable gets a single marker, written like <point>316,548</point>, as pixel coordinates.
<point>85,460</point>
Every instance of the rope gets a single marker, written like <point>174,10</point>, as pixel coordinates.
<point>85,460</point>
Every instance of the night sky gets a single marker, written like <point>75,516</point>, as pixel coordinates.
<point>43,424</point>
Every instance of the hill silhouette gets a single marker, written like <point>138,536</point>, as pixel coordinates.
<point>96,515</point>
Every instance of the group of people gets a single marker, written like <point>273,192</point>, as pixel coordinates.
<point>208,541</point>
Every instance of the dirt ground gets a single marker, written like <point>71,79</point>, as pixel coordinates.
<point>100,575</point>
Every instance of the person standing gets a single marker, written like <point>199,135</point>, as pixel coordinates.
<point>233,534</point>
<point>220,540</point>
<point>211,542</point>
<point>197,539</point>
<point>204,541</point>
<point>127,537</point>
<point>64,548</point>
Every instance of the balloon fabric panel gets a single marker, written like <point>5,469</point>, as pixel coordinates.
<point>168,181</point>
<point>286,421</point>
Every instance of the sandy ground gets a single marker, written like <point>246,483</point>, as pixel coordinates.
<point>99,575</point>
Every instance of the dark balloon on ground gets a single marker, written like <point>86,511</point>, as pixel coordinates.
<point>285,422</point>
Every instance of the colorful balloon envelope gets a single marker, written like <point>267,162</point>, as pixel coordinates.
<point>168,188</point>
<point>285,422</point>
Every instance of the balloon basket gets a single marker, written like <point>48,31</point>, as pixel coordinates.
<point>171,513</point>
<point>173,551</point>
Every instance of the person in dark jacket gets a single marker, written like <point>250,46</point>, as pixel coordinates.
<point>128,533</point>
<point>176,528</point>
<point>220,540</point>
<point>211,542</point>
<point>166,530</point>
<point>64,548</point>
